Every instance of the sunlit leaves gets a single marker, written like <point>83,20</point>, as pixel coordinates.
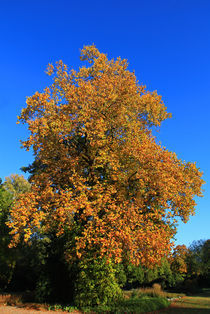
<point>99,169</point>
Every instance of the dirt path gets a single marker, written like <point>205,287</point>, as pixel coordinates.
<point>20,310</point>
<point>5,309</point>
<point>12,304</point>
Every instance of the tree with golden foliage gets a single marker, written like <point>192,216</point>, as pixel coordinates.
<point>98,168</point>
<point>178,260</point>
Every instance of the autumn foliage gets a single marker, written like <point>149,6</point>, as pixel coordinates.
<point>98,169</point>
<point>178,260</point>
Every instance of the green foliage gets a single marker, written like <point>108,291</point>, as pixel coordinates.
<point>16,185</point>
<point>151,275</point>
<point>9,191</point>
<point>164,274</point>
<point>135,274</point>
<point>96,283</point>
<point>206,261</point>
<point>7,260</point>
<point>120,274</point>
<point>55,277</point>
<point>26,268</point>
<point>43,289</point>
<point>198,262</point>
<point>194,258</point>
<point>167,276</point>
<point>66,308</point>
<point>12,187</point>
<point>141,304</point>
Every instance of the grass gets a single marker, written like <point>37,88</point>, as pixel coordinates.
<point>199,303</point>
<point>155,291</point>
<point>132,305</point>
<point>66,308</point>
<point>142,304</point>
<point>138,301</point>
<point>146,300</point>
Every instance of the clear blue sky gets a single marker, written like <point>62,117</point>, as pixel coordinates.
<point>167,43</point>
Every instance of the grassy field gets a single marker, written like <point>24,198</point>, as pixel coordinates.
<point>199,304</point>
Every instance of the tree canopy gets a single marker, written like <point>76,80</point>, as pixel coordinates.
<point>99,172</point>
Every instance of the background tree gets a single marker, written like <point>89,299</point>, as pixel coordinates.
<point>12,187</point>
<point>15,185</point>
<point>6,258</point>
<point>178,263</point>
<point>206,259</point>
<point>198,262</point>
<point>98,171</point>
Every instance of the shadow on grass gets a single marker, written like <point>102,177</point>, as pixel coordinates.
<point>205,293</point>
<point>199,303</point>
<point>180,310</point>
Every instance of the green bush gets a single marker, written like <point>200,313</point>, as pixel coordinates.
<point>96,284</point>
<point>141,304</point>
<point>135,275</point>
<point>43,289</point>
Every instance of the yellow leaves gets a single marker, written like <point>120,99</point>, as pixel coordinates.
<point>88,53</point>
<point>154,108</point>
<point>50,69</point>
<point>99,167</point>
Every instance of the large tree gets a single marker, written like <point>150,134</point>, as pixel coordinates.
<point>99,174</point>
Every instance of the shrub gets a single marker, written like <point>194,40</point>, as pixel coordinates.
<point>43,289</point>
<point>96,284</point>
<point>141,304</point>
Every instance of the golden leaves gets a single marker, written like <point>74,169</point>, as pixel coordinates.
<point>100,168</point>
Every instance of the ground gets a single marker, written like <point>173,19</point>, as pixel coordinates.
<point>197,304</point>
<point>4,309</point>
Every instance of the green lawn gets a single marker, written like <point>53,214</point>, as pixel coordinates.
<point>199,304</point>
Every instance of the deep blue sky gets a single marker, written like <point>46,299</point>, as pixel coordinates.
<point>166,42</point>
